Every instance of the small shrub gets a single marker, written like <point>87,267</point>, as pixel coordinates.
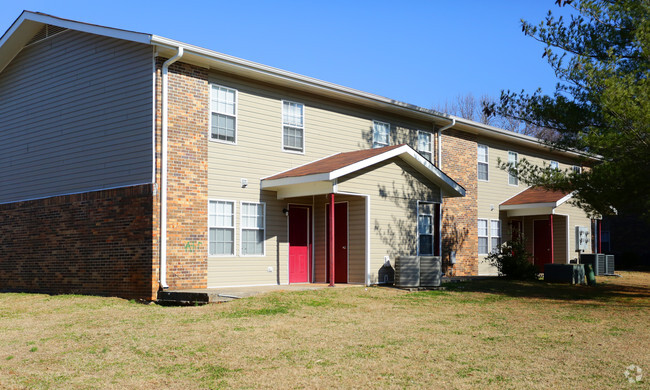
<point>513,261</point>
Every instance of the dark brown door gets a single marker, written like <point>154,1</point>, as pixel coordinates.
<point>340,242</point>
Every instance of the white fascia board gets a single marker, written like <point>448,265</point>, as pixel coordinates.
<point>561,201</point>
<point>530,211</point>
<point>89,28</point>
<point>403,151</point>
<point>447,184</point>
<point>368,162</point>
<point>313,84</point>
<point>287,181</point>
<point>527,206</point>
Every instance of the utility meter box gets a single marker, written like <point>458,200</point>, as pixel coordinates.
<point>582,238</point>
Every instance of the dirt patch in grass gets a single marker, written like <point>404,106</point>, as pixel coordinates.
<point>489,334</point>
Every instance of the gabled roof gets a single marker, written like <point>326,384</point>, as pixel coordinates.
<point>537,195</point>
<point>534,200</point>
<point>29,23</point>
<point>330,168</point>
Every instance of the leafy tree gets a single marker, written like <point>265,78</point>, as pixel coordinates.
<point>601,104</point>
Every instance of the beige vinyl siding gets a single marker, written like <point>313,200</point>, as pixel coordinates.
<point>560,239</point>
<point>76,113</point>
<point>394,188</point>
<point>576,217</point>
<point>496,190</point>
<point>330,127</point>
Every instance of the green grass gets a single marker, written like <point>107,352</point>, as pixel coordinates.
<point>488,334</point>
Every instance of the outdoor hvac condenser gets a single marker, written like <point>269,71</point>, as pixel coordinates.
<point>407,271</point>
<point>601,263</point>
<point>430,271</point>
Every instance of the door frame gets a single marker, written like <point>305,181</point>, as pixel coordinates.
<point>310,238</point>
<point>347,238</point>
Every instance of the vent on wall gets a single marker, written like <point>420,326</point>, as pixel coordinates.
<point>47,31</point>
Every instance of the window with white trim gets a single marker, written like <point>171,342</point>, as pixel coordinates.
<point>482,157</point>
<point>293,126</point>
<point>425,145</point>
<point>577,169</point>
<point>223,107</point>
<point>221,228</point>
<point>555,165</point>
<point>426,229</point>
<point>482,236</point>
<point>252,228</point>
<point>495,234</point>
<point>380,134</point>
<point>512,175</point>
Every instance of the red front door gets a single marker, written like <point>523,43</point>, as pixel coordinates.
<point>299,244</point>
<point>340,242</point>
<point>542,244</point>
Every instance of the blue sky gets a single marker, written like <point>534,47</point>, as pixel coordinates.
<point>420,52</point>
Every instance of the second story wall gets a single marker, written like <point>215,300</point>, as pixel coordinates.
<point>497,188</point>
<point>75,116</point>
<point>329,128</point>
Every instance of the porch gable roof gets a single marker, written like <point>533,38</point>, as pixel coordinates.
<point>533,201</point>
<point>326,170</point>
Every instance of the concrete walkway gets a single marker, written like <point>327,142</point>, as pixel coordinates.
<point>225,294</point>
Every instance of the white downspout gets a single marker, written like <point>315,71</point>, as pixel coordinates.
<point>453,122</point>
<point>439,158</point>
<point>163,173</point>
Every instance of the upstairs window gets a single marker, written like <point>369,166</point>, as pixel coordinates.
<point>380,134</point>
<point>252,228</point>
<point>512,175</point>
<point>482,157</point>
<point>425,145</point>
<point>293,127</point>
<point>223,106</point>
<point>221,228</point>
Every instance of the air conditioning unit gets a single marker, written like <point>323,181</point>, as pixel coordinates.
<point>601,263</point>
<point>418,271</point>
<point>407,271</point>
<point>609,264</point>
<point>430,271</point>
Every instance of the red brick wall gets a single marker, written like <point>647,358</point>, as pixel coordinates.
<point>187,201</point>
<point>459,215</point>
<point>96,243</point>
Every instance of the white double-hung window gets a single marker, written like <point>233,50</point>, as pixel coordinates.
<point>223,107</point>
<point>380,134</point>
<point>252,228</point>
<point>293,126</point>
<point>482,157</point>
<point>221,228</point>
<point>425,145</point>
<point>555,165</point>
<point>495,234</point>
<point>483,236</point>
<point>512,174</point>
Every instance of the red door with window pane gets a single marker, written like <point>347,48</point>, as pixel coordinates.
<point>542,244</point>
<point>340,242</point>
<point>299,244</point>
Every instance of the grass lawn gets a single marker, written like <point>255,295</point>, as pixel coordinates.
<point>484,334</point>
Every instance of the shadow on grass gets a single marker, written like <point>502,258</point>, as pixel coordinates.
<point>632,295</point>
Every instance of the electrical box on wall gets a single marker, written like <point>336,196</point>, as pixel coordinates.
<point>582,238</point>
